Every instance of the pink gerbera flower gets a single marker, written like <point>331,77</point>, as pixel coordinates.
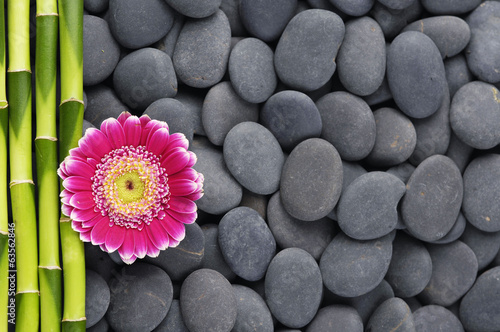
<point>131,187</point>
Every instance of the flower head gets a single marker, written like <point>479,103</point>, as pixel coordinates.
<point>131,187</point>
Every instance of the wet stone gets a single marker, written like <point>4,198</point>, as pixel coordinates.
<point>194,8</point>
<point>266,20</point>
<point>336,318</point>
<point>455,232</point>
<point>480,307</point>
<point>208,302</point>
<point>313,194</point>
<point>144,76</point>
<point>457,73</point>
<point>411,266</point>
<point>246,243</point>
<point>254,157</point>
<point>221,191</point>
<point>305,53</point>
<point>362,56</point>
<point>202,50</point>
<point>253,313</point>
<point>393,21</point>
<point>367,303</point>
<point>415,72</point>
<point>136,24</point>
<point>436,318</point>
<point>223,109</point>
<point>484,244</point>
<point>100,50</point>
<point>348,124</point>
<point>251,69</point>
<point>481,192</point>
<point>293,274</point>
<point>292,117</point>
<point>368,207</point>
<point>142,289</point>
<point>212,257</point>
<point>96,298</point>
<point>102,103</point>
<point>454,269</point>
<point>433,198</point>
<point>392,315</point>
<point>173,321</point>
<point>450,6</point>
<point>175,114</point>
<point>395,138</point>
<point>187,257</point>
<point>475,113</point>
<point>312,236</point>
<point>354,8</point>
<point>351,267</point>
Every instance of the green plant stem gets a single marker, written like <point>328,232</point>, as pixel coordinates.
<point>21,180</point>
<point>47,163</point>
<point>70,130</point>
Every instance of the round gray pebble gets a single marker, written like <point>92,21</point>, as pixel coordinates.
<point>208,302</point>
<point>450,6</point>
<point>336,318</point>
<point>457,73</point>
<point>367,303</point>
<point>95,6</point>
<point>392,315</point>
<point>102,103</point>
<point>456,231</point>
<point>397,4</point>
<point>254,157</point>
<point>97,298</point>
<point>175,114</point>
<point>253,313</point>
<point>195,8</point>
<point>354,7</point>
<point>311,181</point>
<point>484,244</point>
<point>193,99</point>
<point>212,256</point>
<point>393,21</point>
<point>432,318</point>
<point>246,243</point>
<point>293,274</point>
<point>173,321</point>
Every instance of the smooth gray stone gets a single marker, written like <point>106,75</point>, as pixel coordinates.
<point>251,70</point>
<point>348,124</point>
<point>187,257</point>
<point>354,8</point>
<point>101,326</point>
<point>208,302</point>
<point>97,298</point>
<point>193,99</point>
<point>313,194</point>
<point>231,9</point>
<point>100,50</point>
<point>175,114</point>
<point>336,318</point>
<point>102,103</point>
<point>195,8</point>
<point>451,34</point>
<point>99,261</point>
<point>167,43</point>
<point>456,231</point>
<point>313,236</point>
<point>392,315</point>
<point>480,307</point>
<point>202,50</point>
<point>95,6</point>
<point>402,171</point>
<point>305,53</point>
<point>459,152</point>
<point>173,322</point>
<point>457,73</point>
<point>411,266</point>
<point>144,76</point>
<point>433,198</point>
<point>246,243</point>
<point>475,113</point>
<point>253,313</point>
<point>484,244</point>
<point>382,94</point>
<point>256,202</point>
<point>432,318</point>
<point>254,157</point>
<point>266,20</point>
<point>454,269</point>
<point>292,117</point>
<point>452,7</point>
<point>212,257</point>
<point>136,24</point>
<point>395,138</point>
<point>481,192</point>
<point>223,109</point>
<point>140,298</point>
<point>362,56</point>
<point>393,21</point>
<point>416,76</point>
<point>86,125</point>
<point>433,133</point>
<point>397,4</point>
<point>351,267</point>
<point>366,304</point>
<point>483,54</point>
<point>367,209</point>
<point>293,274</point>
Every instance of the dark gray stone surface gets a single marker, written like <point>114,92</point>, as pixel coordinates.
<point>366,304</point>
<point>354,8</point>
<point>253,313</point>
<point>231,9</point>
<point>436,318</point>
<point>175,114</point>
<point>455,232</point>
<point>397,4</point>
<point>167,43</point>
<point>102,103</point>
<point>450,6</point>
<point>212,256</point>
<point>95,6</point>
<point>457,73</point>
<point>336,318</point>
<point>484,244</point>
<point>97,298</point>
<point>193,99</point>
<point>392,315</point>
<point>194,8</point>
<point>173,322</point>
<point>459,152</point>
<point>393,21</point>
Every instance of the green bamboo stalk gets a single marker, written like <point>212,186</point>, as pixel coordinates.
<point>21,180</point>
<point>70,131</point>
<point>49,269</point>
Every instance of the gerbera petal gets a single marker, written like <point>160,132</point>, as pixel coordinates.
<point>182,205</point>
<point>123,117</point>
<point>157,234</point>
<point>78,167</point>
<point>144,120</point>
<point>186,173</point>
<point>83,215</point>
<point>91,222</point>
<point>178,140</point>
<point>175,161</point>
<point>94,144</point>
<point>66,209</point>
<point>133,130</point>
<point>77,183</point>
<point>77,226</point>
<point>85,236</point>
<point>152,250</point>
<point>151,125</point>
<point>173,243</point>
<point>185,218</point>
<point>61,171</point>
<point>141,243</point>
<point>114,238</point>
<point>76,152</point>
<point>192,159</point>
<point>100,230</point>
<point>114,131</point>
<point>82,200</point>
<point>174,228</point>
<point>129,260</point>
<point>182,187</point>
<point>158,141</point>
<point>66,195</point>
<point>126,250</point>
<point>195,196</point>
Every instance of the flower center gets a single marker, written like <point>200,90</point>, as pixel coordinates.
<point>129,187</point>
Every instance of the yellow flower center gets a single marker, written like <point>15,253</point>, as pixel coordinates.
<point>129,187</point>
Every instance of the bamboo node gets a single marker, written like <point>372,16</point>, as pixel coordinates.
<point>4,104</point>
<point>55,267</point>
<point>65,219</point>
<point>81,319</point>
<point>70,100</point>
<point>46,14</point>
<point>29,292</point>
<point>50,138</point>
<point>4,232</point>
<point>15,182</point>
<point>21,70</point>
